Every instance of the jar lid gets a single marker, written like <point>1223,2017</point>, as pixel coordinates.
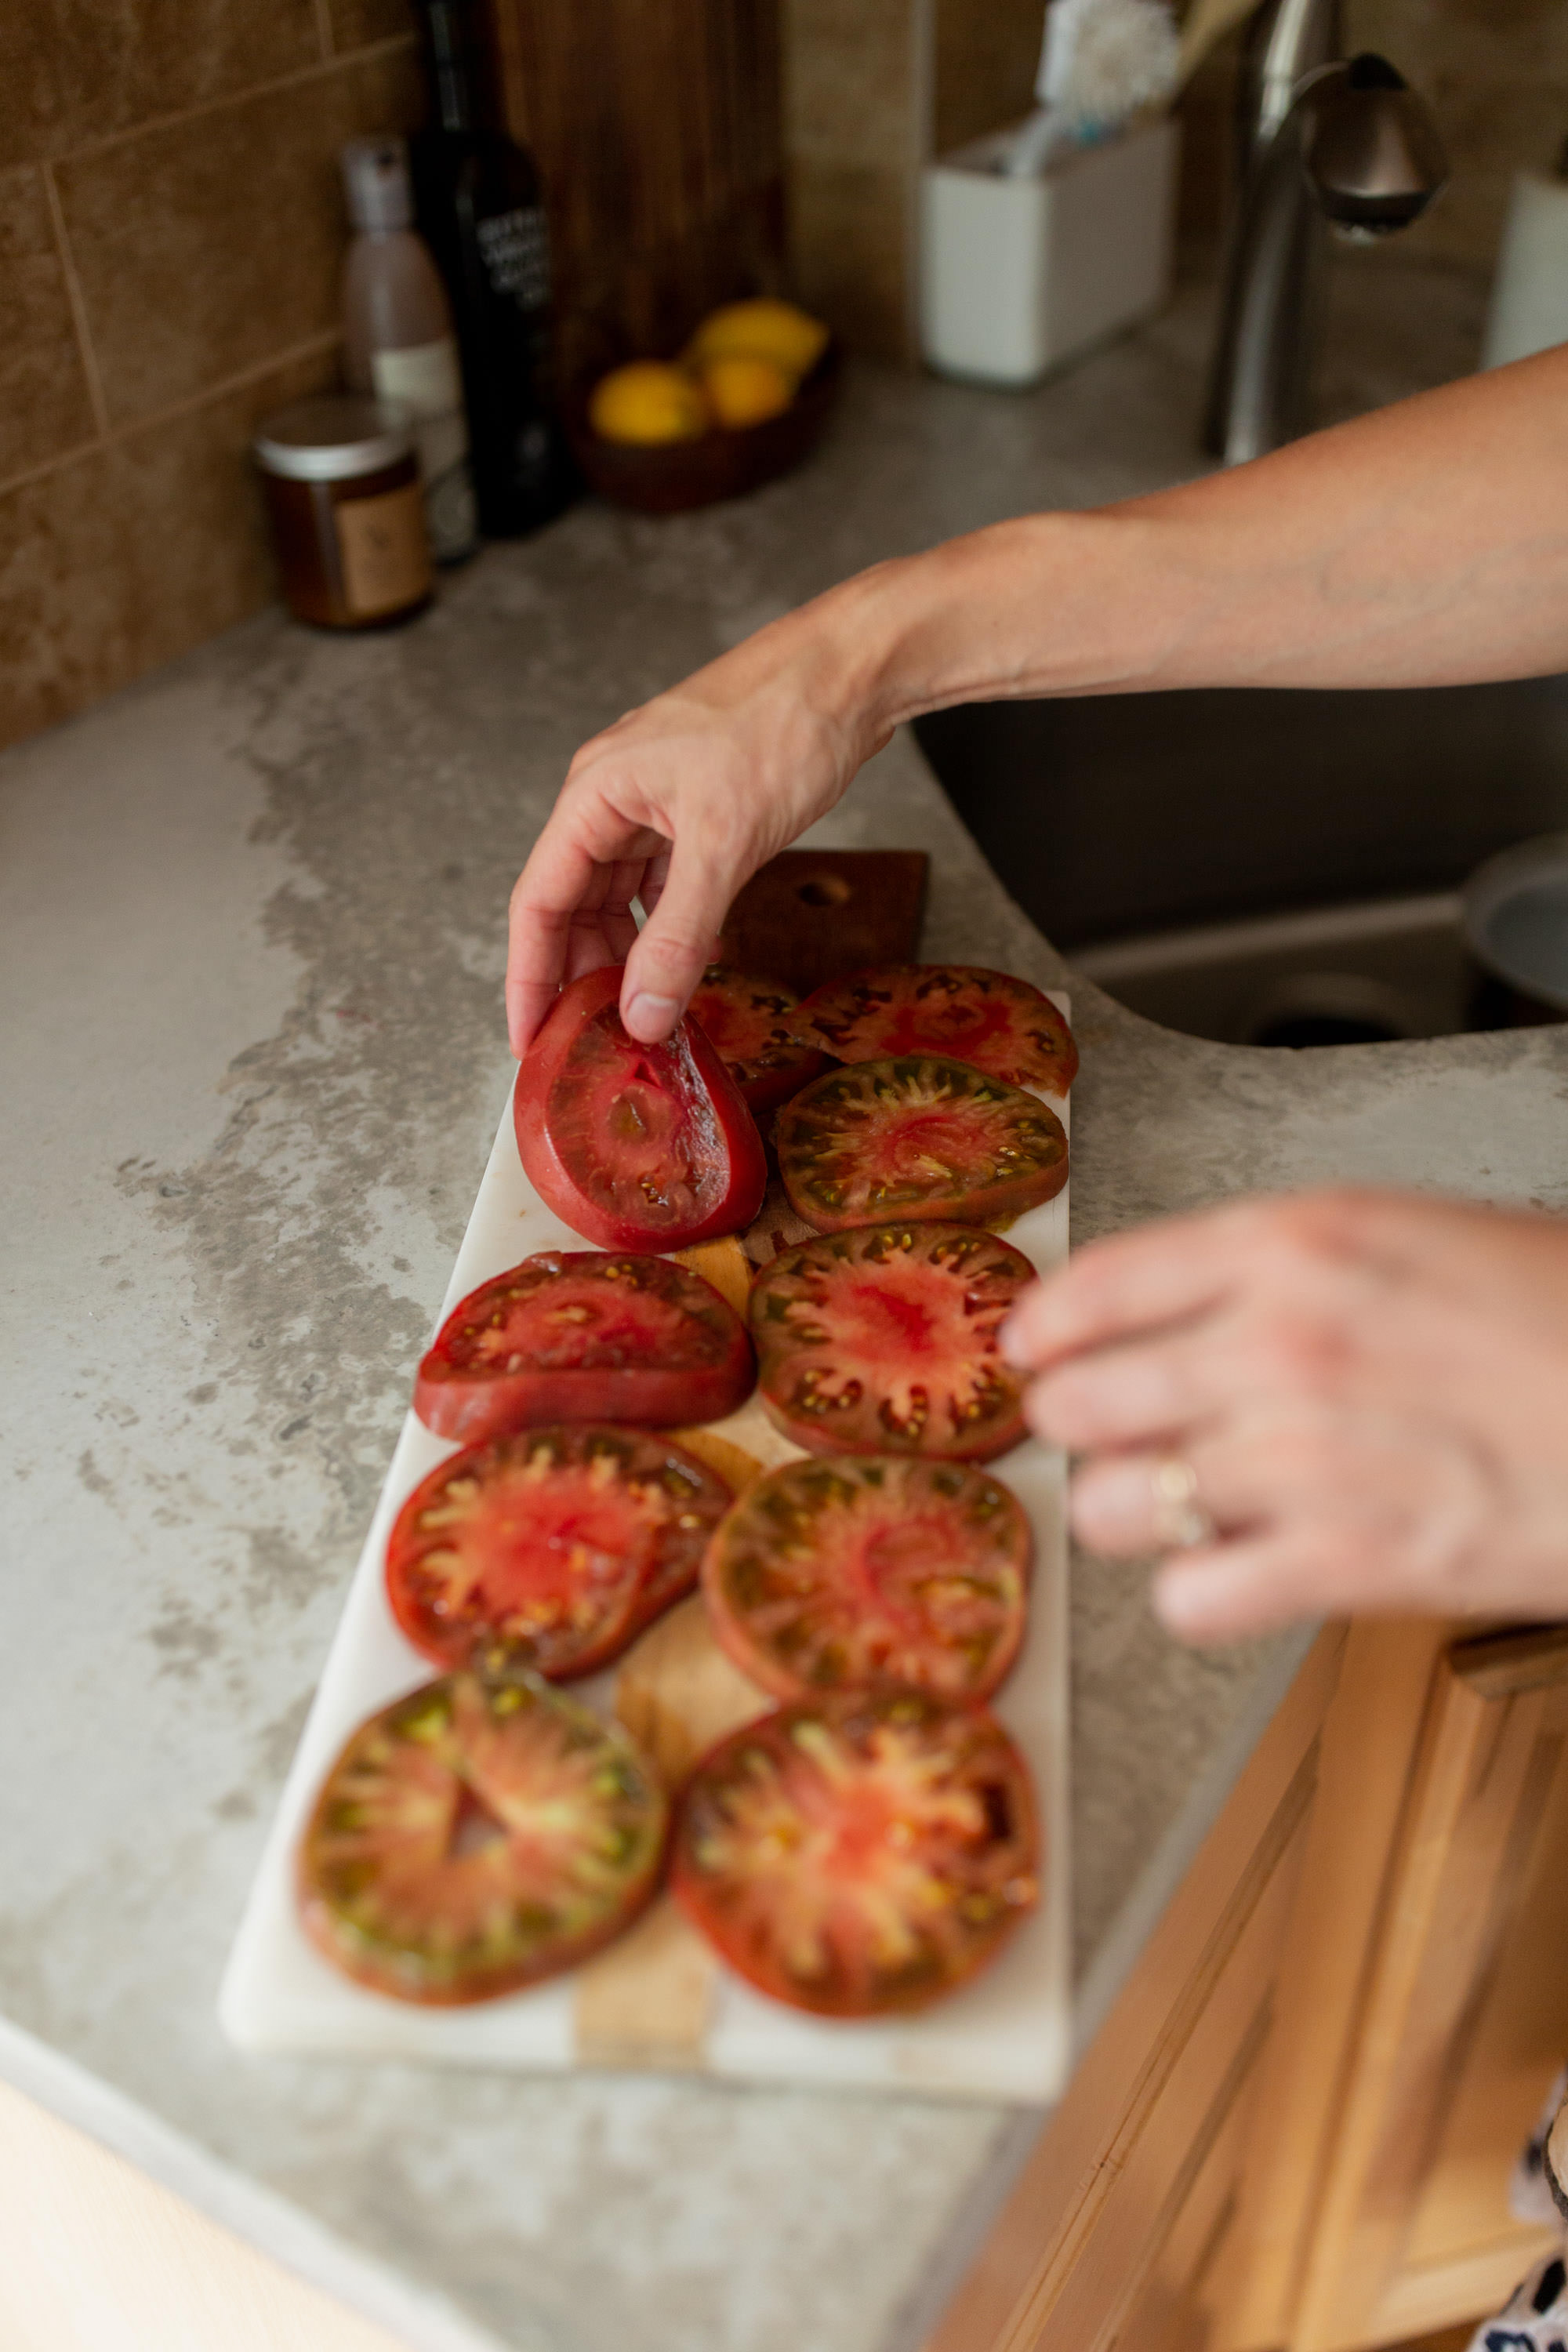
<point>331,439</point>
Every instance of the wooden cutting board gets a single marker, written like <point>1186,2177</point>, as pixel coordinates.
<point>811,914</point>
<point>657,1999</point>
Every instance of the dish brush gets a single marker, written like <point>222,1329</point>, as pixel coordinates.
<point>1101,62</point>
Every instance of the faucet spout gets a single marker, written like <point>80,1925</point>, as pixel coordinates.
<point>1321,138</point>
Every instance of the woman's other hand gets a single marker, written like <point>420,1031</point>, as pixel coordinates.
<point>1336,1403</point>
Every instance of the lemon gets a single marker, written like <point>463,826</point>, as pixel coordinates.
<point>761,330</point>
<point>742,391</point>
<point>647,402</point>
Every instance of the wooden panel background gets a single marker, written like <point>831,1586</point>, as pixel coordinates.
<point>656,125</point>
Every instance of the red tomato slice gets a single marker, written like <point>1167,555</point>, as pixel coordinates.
<point>583,1335</point>
<point>858,1854</point>
<point>996,1023</point>
<point>857,1574</point>
<point>919,1138</point>
<point>747,1022</point>
<point>476,1836</point>
<point>884,1341</point>
<point>634,1146</point>
<point>550,1543</point>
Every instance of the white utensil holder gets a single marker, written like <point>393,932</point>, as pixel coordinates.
<point>1018,275</point>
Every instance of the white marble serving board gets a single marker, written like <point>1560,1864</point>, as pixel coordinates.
<point>1006,2037</point>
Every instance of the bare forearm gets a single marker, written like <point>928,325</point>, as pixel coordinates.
<point>1426,544</point>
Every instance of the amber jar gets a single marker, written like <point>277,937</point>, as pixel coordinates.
<point>348,514</point>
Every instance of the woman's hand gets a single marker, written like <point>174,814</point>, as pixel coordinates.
<point>1332,562</point>
<point>1356,1401</point>
<point>679,803</point>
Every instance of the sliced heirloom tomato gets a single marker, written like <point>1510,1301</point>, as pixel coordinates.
<point>859,1573</point>
<point>858,1854</point>
<point>555,1545</point>
<point>884,1341</point>
<point>997,1024</point>
<point>920,1138</point>
<point>747,1021</point>
<point>476,1836</point>
<point>585,1335</point>
<point>635,1146</point>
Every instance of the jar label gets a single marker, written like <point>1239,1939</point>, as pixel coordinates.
<point>386,557</point>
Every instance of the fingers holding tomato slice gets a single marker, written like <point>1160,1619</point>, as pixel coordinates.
<point>476,1836</point>
<point>556,1545</point>
<point>634,1146</point>
<point>920,1137</point>
<point>884,1341</point>
<point>748,1023</point>
<point>859,1855</point>
<point>995,1022</point>
<point>585,1335</point>
<point>863,1573</point>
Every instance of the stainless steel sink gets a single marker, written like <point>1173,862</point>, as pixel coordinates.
<point>1264,867</point>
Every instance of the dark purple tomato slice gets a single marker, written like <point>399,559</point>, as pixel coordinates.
<point>883,1340</point>
<point>996,1023</point>
<point>862,1573</point>
<point>476,1836</point>
<point>918,1138</point>
<point>858,1854</point>
<point>551,1544</point>
<point>747,1021</point>
<point>635,1146</point>
<point>585,1335</point>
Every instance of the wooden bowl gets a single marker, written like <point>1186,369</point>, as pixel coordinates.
<point>680,475</point>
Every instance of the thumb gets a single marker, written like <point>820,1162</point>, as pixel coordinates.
<point>675,945</point>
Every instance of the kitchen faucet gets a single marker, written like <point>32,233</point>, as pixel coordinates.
<point>1322,139</point>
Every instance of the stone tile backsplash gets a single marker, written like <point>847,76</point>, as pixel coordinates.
<point>45,403</point>
<point>207,247</point>
<point>1495,73</point>
<point>171,229</point>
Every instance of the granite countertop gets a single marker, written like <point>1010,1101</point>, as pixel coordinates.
<point>252,915</point>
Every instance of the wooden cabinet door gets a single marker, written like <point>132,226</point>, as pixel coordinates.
<point>1426,2008</point>
<point>1120,2219</point>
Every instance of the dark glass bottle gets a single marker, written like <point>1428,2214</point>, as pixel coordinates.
<point>476,203</point>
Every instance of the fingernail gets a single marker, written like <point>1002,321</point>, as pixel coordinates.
<point>1010,1339</point>
<point>650,1019</point>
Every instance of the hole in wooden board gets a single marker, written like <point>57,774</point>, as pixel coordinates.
<point>825,890</point>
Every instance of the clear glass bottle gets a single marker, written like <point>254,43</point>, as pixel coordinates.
<point>478,205</point>
<point>399,346</point>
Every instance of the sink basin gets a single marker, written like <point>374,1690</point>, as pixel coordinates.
<point>1174,844</point>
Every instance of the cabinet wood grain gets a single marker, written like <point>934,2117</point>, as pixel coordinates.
<point>1118,2218</point>
<point>1295,2132</point>
<point>1464,2016</point>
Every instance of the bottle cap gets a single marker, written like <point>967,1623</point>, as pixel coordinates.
<point>375,180</point>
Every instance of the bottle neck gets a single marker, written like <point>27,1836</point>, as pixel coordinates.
<point>451,81</point>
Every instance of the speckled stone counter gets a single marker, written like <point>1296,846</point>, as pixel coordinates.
<point>251,919</point>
